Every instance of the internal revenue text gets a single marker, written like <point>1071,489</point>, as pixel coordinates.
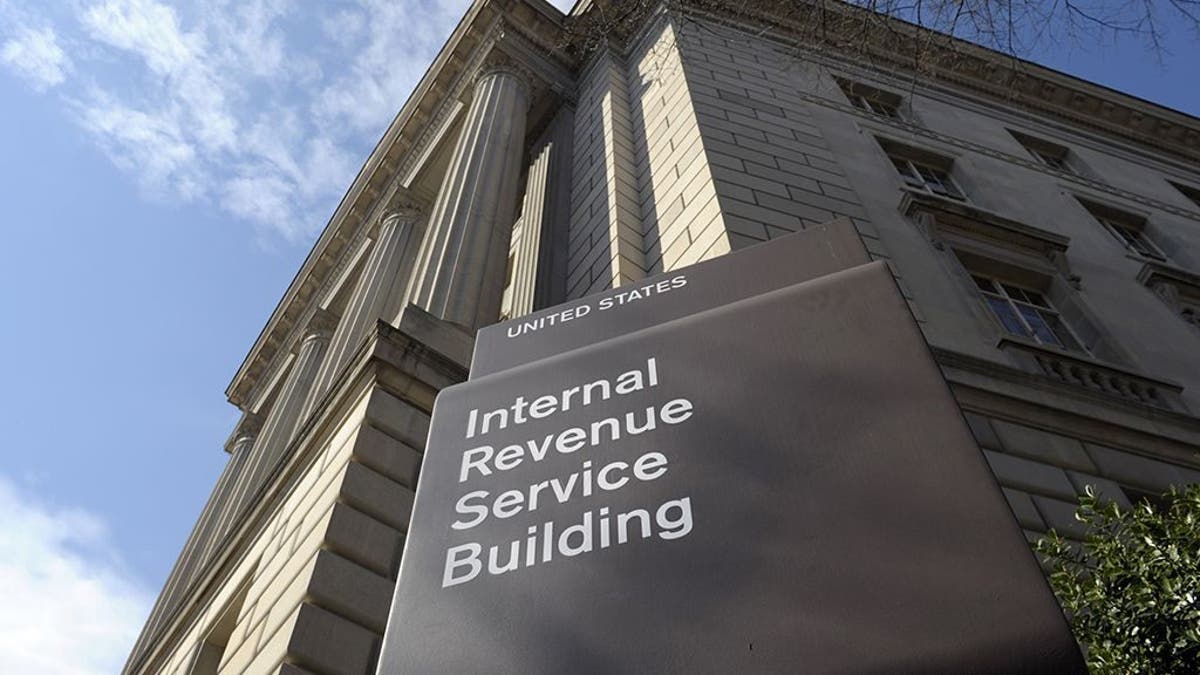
<point>594,475</point>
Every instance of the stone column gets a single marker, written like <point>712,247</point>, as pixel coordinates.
<point>239,462</point>
<point>460,277</point>
<point>201,544</point>
<point>377,294</point>
<point>284,419</point>
<point>539,269</point>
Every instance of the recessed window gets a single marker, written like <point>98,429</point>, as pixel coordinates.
<point>1190,315</point>
<point>1190,192</point>
<point>1128,229</point>
<point>1026,312</point>
<point>1047,154</point>
<point>872,100</point>
<point>923,170</point>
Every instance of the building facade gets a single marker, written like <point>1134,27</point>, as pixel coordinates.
<point>1044,230</point>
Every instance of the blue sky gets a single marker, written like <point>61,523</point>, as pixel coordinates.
<point>165,169</point>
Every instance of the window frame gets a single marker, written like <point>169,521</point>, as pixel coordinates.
<point>874,105</point>
<point>872,100</point>
<point>1014,297</point>
<point>1133,239</point>
<point>921,175</point>
<point>1048,154</point>
<point>1190,314</point>
<point>1128,229</point>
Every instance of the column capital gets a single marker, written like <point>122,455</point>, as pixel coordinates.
<point>320,326</point>
<point>402,205</point>
<point>245,432</point>
<point>500,63</point>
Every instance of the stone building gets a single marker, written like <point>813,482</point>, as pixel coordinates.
<point>1045,231</point>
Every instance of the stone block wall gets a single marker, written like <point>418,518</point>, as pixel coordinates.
<point>773,137</point>
<point>1041,473</point>
<point>318,579</point>
<point>605,244</point>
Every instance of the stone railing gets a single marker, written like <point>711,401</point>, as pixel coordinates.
<point>1098,377</point>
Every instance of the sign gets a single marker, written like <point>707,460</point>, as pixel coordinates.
<point>809,254</point>
<point>778,484</point>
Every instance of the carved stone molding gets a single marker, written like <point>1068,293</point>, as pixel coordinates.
<point>939,218</point>
<point>249,425</point>
<point>1178,289</point>
<point>1097,378</point>
<point>320,325</point>
<point>500,62</point>
<point>402,204</point>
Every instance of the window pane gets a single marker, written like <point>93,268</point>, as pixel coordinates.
<point>927,174</point>
<point>1014,292</point>
<point>1036,298</point>
<point>904,168</point>
<point>1061,331</point>
<point>1123,234</point>
<point>984,284</point>
<point>1004,312</point>
<point>883,108</point>
<point>1041,330</point>
<point>1142,245</point>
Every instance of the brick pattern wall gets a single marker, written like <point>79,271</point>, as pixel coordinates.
<point>774,172</point>
<point>605,244</point>
<point>681,216</point>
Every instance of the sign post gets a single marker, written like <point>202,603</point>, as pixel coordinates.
<point>779,483</point>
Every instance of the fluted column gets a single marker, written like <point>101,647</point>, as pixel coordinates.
<point>284,418</point>
<point>201,542</point>
<point>239,463</point>
<point>377,294</point>
<point>460,277</point>
<point>540,259</point>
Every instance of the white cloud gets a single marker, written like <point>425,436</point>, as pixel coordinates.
<point>69,606</point>
<point>146,28</point>
<point>401,41</point>
<point>152,146</point>
<point>260,108</point>
<point>36,56</point>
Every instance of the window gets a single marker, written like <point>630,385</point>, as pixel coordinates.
<point>1026,312</point>
<point>1190,192</point>
<point>1134,240</point>
<point>1191,315</point>
<point>1046,153</point>
<point>872,100</point>
<point>1178,289</point>
<point>925,175</point>
<point>1128,229</point>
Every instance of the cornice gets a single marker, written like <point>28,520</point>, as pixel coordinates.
<point>1011,81</point>
<point>543,32</point>
<point>887,127</point>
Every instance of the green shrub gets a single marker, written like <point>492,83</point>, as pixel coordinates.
<point>1131,588</point>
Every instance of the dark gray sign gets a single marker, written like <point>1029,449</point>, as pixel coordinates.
<point>781,262</point>
<point>780,484</point>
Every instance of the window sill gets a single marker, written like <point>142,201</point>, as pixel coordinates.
<point>1099,377</point>
<point>1148,260</point>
